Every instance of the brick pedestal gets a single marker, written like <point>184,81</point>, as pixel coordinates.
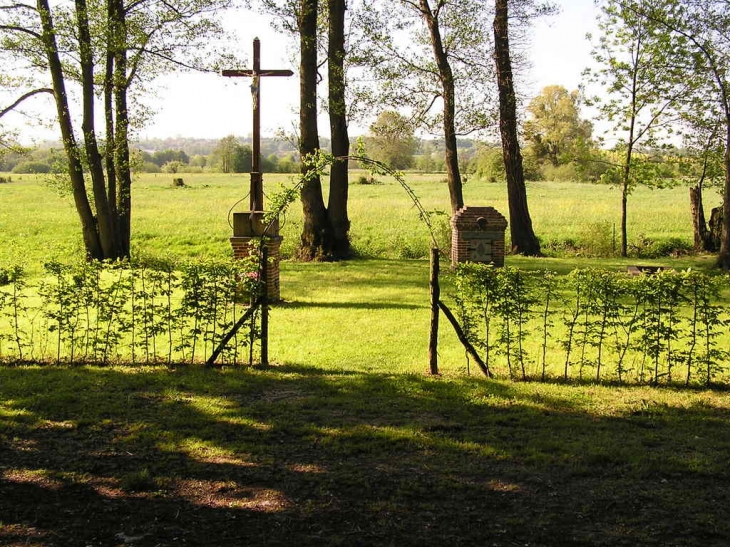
<point>477,235</point>
<point>248,229</point>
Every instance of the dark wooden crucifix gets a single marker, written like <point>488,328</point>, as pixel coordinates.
<point>257,188</point>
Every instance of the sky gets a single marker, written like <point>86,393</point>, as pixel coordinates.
<point>211,106</point>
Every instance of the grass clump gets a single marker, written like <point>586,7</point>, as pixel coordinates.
<point>139,481</point>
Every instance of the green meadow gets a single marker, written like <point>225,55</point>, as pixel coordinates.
<point>192,222</point>
<point>344,439</point>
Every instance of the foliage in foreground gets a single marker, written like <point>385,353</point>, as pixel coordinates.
<point>143,312</point>
<point>597,324</point>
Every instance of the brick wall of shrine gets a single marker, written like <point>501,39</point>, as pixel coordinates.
<point>477,235</point>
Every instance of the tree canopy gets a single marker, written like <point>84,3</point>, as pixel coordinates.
<point>391,140</point>
<point>555,128</point>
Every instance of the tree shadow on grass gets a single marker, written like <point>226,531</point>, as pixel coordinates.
<point>298,456</point>
<point>350,305</point>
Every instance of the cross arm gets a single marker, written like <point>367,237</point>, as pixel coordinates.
<point>249,73</point>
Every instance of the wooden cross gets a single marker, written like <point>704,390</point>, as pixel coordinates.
<point>257,188</point>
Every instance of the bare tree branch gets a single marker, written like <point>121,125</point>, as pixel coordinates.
<point>22,30</point>
<point>23,98</point>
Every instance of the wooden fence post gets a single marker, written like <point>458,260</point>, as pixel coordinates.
<point>435,297</point>
<point>265,306</point>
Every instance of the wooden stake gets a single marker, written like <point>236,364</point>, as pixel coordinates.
<point>265,306</point>
<point>462,338</point>
<point>227,338</point>
<point>435,296</point>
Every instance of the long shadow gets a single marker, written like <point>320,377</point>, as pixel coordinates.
<point>389,274</point>
<point>350,305</point>
<point>301,455</point>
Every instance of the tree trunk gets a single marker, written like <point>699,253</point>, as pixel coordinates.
<point>104,217</point>
<point>715,232</point>
<point>109,115</point>
<point>448,94</point>
<point>337,205</point>
<point>122,166</point>
<point>624,215</point>
<point>75,168</point>
<point>316,233</point>
<point>523,237</point>
<point>723,260</point>
<point>702,240</point>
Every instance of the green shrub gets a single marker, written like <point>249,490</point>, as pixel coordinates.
<point>597,239</point>
<point>149,311</point>
<point>362,179</point>
<point>644,247</point>
<point>560,247</point>
<point>673,246</point>
<point>174,166</point>
<point>488,164</point>
<point>562,173</point>
<point>530,167</point>
<point>32,167</point>
<point>660,328</point>
<point>149,167</point>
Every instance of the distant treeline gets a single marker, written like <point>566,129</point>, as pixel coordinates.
<point>482,160</point>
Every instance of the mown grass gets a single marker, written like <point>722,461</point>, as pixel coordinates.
<point>345,440</point>
<point>304,455</point>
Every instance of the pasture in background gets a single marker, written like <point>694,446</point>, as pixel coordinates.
<point>571,219</point>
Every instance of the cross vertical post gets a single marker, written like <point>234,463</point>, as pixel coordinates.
<point>252,234</point>
<point>257,183</point>
<point>257,188</point>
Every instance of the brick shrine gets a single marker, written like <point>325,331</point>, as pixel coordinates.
<point>248,229</point>
<point>477,235</point>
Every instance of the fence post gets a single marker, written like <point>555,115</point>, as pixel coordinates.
<point>265,306</point>
<point>435,297</point>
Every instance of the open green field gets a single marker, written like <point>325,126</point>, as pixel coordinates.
<point>384,299</point>
<point>192,221</point>
<point>345,440</point>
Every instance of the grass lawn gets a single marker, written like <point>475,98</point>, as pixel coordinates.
<point>301,455</point>
<point>345,440</point>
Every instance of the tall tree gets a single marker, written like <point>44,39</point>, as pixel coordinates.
<point>337,107</point>
<point>223,153</point>
<point>431,59</point>
<point>325,234</point>
<point>316,239</point>
<point>555,128</point>
<point>698,30</point>
<point>641,87</point>
<point>391,140</point>
<point>524,240</point>
<point>448,96</point>
<point>101,46</point>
